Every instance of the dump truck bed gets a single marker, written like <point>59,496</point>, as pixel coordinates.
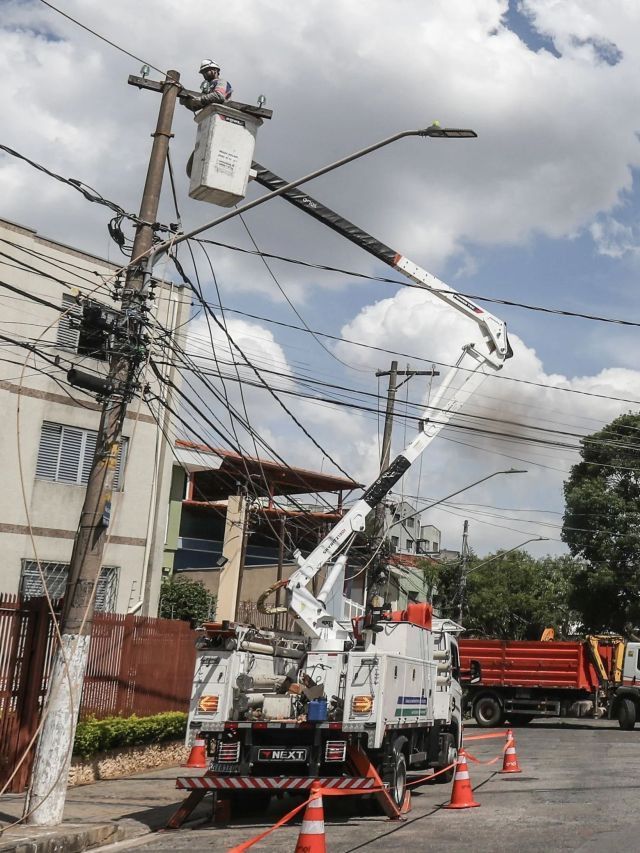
<point>524,663</point>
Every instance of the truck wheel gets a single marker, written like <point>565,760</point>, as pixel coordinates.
<point>488,711</point>
<point>627,714</point>
<point>448,755</point>
<point>395,774</point>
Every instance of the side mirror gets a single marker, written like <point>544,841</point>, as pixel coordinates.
<point>475,672</point>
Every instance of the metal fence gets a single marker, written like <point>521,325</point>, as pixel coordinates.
<point>137,665</point>
<point>249,614</point>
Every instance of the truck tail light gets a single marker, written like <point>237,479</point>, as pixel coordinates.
<point>361,704</point>
<point>208,704</point>
<point>228,753</point>
<point>335,750</point>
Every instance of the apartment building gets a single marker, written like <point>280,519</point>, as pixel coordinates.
<point>48,429</point>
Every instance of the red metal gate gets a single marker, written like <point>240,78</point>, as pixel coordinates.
<point>26,647</point>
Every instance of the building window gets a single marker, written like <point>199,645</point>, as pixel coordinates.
<point>55,575</point>
<point>396,518</point>
<point>78,336</point>
<point>66,453</point>
<point>435,546</point>
<point>394,542</point>
<point>410,546</point>
<point>409,522</point>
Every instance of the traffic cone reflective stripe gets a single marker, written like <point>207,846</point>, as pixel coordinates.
<point>312,838</point>
<point>198,755</point>
<point>462,794</point>
<point>510,761</point>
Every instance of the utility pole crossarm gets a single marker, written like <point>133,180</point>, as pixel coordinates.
<point>156,86</point>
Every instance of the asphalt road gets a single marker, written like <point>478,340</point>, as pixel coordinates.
<point>579,791</point>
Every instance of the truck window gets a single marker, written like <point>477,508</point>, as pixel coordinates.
<point>455,662</point>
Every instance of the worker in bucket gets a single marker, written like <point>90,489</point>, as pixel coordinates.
<point>214,89</point>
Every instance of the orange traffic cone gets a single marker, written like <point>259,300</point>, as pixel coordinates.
<point>462,794</point>
<point>198,755</point>
<point>510,761</point>
<point>312,838</point>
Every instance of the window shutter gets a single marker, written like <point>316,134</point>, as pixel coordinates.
<point>118,479</point>
<point>48,451</point>
<point>68,336</point>
<point>70,455</point>
<point>56,580</point>
<point>89,452</point>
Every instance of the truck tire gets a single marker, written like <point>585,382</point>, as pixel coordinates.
<point>487,711</point>
<point>395,772</point>
<point>448,755</point>
<point>627,713</point>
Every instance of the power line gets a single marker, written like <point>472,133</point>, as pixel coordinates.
<point>101,37</point>
<point>86,191</point>
<point>424,359</point>
<point>403,283</point>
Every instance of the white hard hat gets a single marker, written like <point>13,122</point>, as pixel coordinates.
<point>208,63</point>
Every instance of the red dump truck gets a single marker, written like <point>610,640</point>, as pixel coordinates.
<point>524,679</point>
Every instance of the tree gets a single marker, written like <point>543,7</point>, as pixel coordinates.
<point>186,599</point>
<point>601,526</point>
<point>511,596</point>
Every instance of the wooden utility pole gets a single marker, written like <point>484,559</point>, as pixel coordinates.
<point>47,794</point>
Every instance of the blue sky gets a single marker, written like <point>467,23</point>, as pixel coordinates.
<point>542,208</point>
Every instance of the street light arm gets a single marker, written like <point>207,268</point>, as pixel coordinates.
<point>464,489</point>
<point>503,553</point>
<point>434,131</point>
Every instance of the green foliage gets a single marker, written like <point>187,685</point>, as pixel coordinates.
<point>602,527</point>
<point>94,736</point>
<point>510,596</point>
<point>186,599</point>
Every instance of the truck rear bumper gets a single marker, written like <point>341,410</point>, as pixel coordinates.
<point>209,782</point>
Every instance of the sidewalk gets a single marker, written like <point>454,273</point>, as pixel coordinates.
<point>98,814</point>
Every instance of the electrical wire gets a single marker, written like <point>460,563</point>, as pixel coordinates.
<point>101,37</point>
<point>404,283</point>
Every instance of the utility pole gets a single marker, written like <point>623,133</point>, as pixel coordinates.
<point>45,803</point>
<point>385,456</point>
<point>464,558</point>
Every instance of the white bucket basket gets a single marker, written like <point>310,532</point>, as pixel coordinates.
<point>223,154</point>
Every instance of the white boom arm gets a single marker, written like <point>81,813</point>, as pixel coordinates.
<point>458,385</point>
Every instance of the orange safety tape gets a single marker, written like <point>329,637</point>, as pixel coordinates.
<point>246,844</point>
<point>325,792</point>
<point>477,760</point>
<point>322,792</point>
<point>485,737</point>
<point>431,776</point>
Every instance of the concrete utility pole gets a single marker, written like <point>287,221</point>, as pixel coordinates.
<point>464,558</point>
<point>45,803</point>
<point>233,552</point>
<point>385,455</point>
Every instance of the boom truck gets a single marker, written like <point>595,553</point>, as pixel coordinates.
<point>348,703</point>
<point>525,679</point>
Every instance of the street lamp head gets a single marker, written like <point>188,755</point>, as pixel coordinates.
<point>435,130</point>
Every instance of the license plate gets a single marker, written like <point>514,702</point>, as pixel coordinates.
<point>279,754</point>
<point>215,767</point>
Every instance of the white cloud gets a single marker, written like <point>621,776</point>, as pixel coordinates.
<point>556,149</point>
<point>542,163</point>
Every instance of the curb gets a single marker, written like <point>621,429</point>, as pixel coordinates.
<point>69,838</point>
